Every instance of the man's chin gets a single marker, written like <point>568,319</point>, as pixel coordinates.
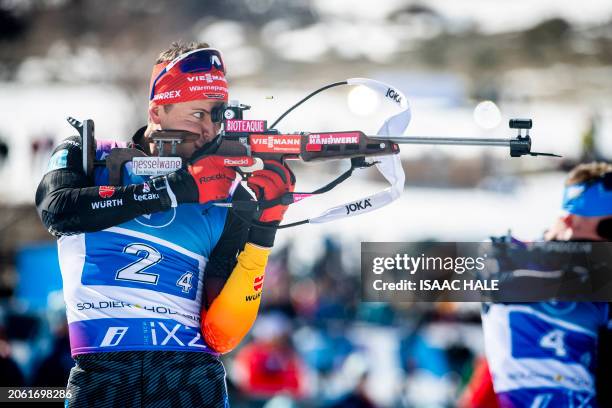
<point>208,148</point>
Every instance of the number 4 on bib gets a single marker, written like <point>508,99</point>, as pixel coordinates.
<point>554,340</point>
<point>184,282</point>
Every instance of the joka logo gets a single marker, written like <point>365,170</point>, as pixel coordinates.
<point>393,94</point>
<point>106,191</point>
<point>359,205</point>
<point>258,283</point>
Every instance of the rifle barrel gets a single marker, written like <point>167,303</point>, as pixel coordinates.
<point>456,141</point>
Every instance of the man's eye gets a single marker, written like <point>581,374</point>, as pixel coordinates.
<point>199,115</point>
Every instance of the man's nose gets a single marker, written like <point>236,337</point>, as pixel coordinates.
<point>204,137</point>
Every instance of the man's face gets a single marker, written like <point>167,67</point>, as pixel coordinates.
<point>571,226</point>
<point>192,116</point>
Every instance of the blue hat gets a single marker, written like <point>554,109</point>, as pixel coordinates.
<point>589,199</point>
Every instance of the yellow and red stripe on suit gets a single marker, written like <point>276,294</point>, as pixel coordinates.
<point>231,315</point>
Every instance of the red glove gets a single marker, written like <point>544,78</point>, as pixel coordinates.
<point>214,176</point>
<point>272,182</point>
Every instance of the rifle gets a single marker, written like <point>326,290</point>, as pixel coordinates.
<point>240,137</point>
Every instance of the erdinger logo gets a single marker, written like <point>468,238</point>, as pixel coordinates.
<point>106,191</point>
<point>358,206</point>
<point>393,94</point>
<point>236,162</point>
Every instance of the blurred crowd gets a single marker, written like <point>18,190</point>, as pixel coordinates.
<point>314,343</point>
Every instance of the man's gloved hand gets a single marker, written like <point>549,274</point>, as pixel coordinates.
<point>208,179</point>
<point>270,183</point>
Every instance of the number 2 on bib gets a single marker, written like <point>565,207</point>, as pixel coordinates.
<point>135,271</point>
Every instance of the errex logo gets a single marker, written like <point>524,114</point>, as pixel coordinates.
<point>393,94</point>
<point>167,95</point>
<point>357,206</point>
